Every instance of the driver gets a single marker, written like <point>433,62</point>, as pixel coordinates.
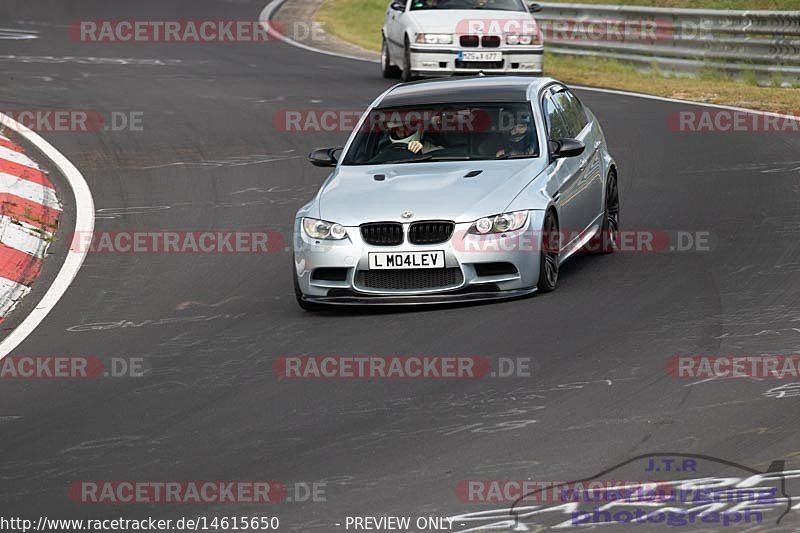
<point>519,139</point>
<point>401,133</point>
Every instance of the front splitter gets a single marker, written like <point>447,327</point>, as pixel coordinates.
<point>425,299</point>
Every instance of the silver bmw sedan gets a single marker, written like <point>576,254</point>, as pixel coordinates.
<point>457,190</point>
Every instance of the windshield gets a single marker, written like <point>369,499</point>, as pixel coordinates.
<point>453,132</point>
<point>497,5</point>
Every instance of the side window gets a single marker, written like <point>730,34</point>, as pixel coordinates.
<point>557,127</point>
<point>574,112</point>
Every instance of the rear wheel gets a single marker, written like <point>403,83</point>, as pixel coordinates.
<point>607,241</point>
<point>551,244</point>
<point>407,74</point>
<point>388,70</point>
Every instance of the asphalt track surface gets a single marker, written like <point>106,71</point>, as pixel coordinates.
<point>211,408</point>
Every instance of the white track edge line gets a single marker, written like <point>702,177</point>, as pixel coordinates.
<point>689,102</point>
<point>265,17</point>
<point>84,222</point>
<point>273,6</point>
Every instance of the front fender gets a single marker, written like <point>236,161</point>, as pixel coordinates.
<point>312,208</point>
<point>537,195</point>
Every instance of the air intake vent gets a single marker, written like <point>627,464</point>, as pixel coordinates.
<point>411,279</point>
<point>495,269</point>
<point>329,274</point>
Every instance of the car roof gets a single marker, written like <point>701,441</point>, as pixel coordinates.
<point>462,90</point>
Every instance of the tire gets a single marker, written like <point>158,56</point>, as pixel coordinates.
<point>406,74</point>
<point>548,262</point>
<point>388,70</point>
<point>607,241</point>
<point>298,294</point>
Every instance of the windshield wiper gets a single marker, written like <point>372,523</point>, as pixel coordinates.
<point>447,158</point>
<point>427,158</point>
<point>400,161</point>
<point>518,156</point>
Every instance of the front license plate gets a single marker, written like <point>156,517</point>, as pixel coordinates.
<point>481,56</point>
<point>396,260</point>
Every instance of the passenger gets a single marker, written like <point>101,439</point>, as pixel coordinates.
<point>519,140</point>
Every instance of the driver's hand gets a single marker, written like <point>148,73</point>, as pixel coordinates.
<point>500,153</point>
<point>415,147</point>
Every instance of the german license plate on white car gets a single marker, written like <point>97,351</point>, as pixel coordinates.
<point>481,56</point>
<point>397,260</point>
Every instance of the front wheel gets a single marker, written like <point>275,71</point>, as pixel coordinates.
<point>388,70</point>
<point>551,245</point>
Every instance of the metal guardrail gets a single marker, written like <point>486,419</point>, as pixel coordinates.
<point>682,40</point>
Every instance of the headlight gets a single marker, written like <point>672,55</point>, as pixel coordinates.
<point>522,39</point>
<point>321,229</point>
<point>500,223</point>
<point>434,38</point>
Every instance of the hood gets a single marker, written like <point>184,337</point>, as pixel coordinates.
<point>458,20</point>
<point>432,191</point>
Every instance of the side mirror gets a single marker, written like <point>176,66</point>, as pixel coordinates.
<point>323,157</point>
<point>566,148</point>
<point>535,8</point>
<point>398,5</point>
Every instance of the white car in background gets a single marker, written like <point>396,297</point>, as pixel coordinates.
<point>442,37</point>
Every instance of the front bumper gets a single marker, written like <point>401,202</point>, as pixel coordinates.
<point>469,254</point>
<point>446,60</point>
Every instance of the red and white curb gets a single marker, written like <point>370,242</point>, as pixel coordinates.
<point>29,212</point>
